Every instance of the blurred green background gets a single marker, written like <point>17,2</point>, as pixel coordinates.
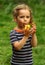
<point>7,24</point>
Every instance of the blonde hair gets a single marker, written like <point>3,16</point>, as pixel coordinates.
<point>19,7</point>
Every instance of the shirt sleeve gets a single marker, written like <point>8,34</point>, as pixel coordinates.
<point>13,37</point>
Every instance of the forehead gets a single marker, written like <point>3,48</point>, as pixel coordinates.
<point>24,12</point>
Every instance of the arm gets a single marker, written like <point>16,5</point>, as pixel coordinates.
<point>34,37</point>
<point>34,40</point>
<point>19,44</point>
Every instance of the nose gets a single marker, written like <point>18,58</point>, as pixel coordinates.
<point>25,19</point>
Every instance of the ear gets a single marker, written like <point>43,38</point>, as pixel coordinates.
<point>15,20</point>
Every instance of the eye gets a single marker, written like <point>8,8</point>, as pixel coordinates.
<point>28,17</point>
<point>21,16</point>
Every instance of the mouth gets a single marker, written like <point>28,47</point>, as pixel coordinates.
<point>25,23</point>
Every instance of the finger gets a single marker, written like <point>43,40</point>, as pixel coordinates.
<point>32,31</point>
<point>34,28</point>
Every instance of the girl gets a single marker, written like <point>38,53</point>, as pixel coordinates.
<point>23,40</point>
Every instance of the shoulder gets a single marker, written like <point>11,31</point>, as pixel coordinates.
<point>12,32</point>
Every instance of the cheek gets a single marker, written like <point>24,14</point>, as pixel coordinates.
<point>28,20</point>
<point>21,20</point>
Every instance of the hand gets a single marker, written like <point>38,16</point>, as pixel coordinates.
<point>32,30</point>
<point>26,32</point>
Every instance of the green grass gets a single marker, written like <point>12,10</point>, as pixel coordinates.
<point>38,55</point>
<point>5,55</point>
<point>7,24</point>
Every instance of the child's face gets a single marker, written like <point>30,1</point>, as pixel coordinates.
<point>24,17</point>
